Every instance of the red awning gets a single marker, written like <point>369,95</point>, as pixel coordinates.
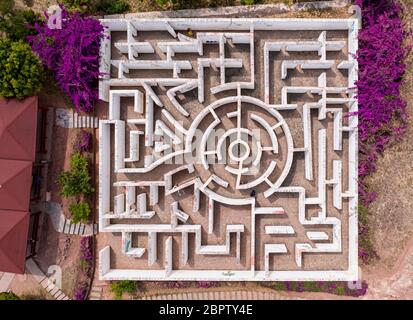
<point>15,183</point>
<point>14,228</point>
<point>18,120</point>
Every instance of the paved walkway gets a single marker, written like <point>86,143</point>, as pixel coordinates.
<point>61,223</point>
<point>396,283</point>
<point>5,280</point>
<point>40,277</point>
<point>221,295</point>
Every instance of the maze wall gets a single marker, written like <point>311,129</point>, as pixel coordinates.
<point>229,151</point>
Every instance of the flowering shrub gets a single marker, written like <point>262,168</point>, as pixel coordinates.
<point>72,54</point>
<point>86,249</point>
<point>84,141</point>
<point>338,288</point>
<point>206,284</point>
<point>382,111</point>
<point>176,284</point>
<point>86,263</point>
<point>189,284</point>
<point>81,291</point>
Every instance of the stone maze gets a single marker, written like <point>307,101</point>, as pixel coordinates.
<point>229,151</point>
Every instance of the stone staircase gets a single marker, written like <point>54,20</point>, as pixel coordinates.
<point>67,118</point>
<point>96,293</point>
<point>77,228</point>
<point>40,277</point>
<point>61,223</point>
<point>84,121</point>
<point>220,295</point>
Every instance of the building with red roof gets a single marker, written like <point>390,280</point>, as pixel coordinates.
<point>18,122</point>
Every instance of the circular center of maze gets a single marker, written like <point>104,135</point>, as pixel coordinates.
<point>245,145</point>
<point>239,150</point>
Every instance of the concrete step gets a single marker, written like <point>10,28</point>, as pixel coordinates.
<point>85,121</point>
<point>5,281</point>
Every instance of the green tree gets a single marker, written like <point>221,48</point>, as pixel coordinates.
<point>21,72</point>
<point>77,181</point>
<point>9,296</point>
<point>80,212</point>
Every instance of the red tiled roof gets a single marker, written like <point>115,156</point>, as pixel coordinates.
<point>14,228</point>
<point>15,183</point>
<point>18,121</point>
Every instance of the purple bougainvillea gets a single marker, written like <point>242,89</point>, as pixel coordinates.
<point>86,249</point>
<point>80,292</point>
<point>84,141</point>
<point>382,111</point>
<point>337,288</point>
<point>86,256</point>
<point>72,54</point>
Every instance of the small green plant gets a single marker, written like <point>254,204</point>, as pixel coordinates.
<point>21,72</point>
<point>80,212</point>
<point>340,291</point>
<point>9,296</point>
<point>279,286</point>
<point>310,286</point>
<point>118,288</point>
<point>79,5</point>
<point>250,2</point>
<point>366,247</point>
<point>161,3</point>
<point>76,181</point>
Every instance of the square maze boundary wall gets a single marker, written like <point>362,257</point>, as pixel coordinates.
<point>283,206</point>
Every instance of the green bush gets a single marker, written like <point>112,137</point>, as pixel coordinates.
<point>16,24</point>
<point>76,181</point>
<point>111,6</point>
<point>8,296</point>
<point>250,2</point>
<point>80,212</point>
<point>21,71</point>
<point>118,288</point>
<point>97,6</point>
